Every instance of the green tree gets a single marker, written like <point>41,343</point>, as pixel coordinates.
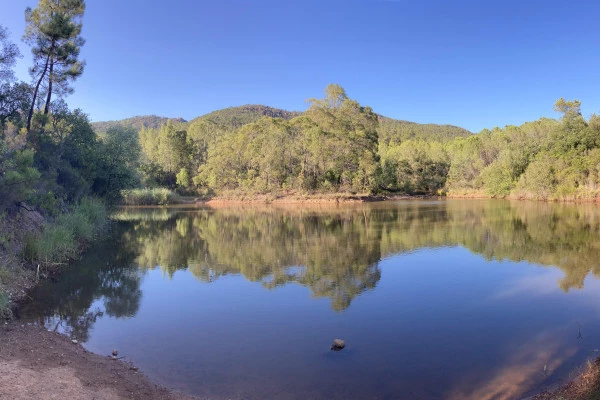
<point>53,30</point>
<point>118,162</point>
<point>9,52</point>
<point>349,136</point>
<point>12,95</point>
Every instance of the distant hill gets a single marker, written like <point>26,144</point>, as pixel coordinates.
<point>139,122</point>
<point>242,115</point>
<point>399,131</point>
<point>234,117</point>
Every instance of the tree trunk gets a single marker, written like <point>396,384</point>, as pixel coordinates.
<point>50,79</point>
<point>35,93</point>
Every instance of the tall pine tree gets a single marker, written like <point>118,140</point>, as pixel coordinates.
<point>53,30</point>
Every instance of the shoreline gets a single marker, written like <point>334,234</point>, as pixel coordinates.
<point>36,363</point>
<point>42,364</point>
<point>357,199</point>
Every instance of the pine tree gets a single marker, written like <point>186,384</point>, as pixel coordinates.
<point>53,30</point>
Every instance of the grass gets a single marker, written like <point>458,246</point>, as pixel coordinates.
<point>63,239</point>
<point>5,311</point>
<point>149,197</point>
<point>4,306</point>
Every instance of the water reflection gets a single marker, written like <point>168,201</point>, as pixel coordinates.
<point>335,254</point>
<point>439,321</point>
<point>106,281</point>
<point>336,251</point>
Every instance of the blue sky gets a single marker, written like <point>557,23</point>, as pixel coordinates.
<point>476,64</point>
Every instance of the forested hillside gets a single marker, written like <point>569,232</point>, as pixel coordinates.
<point>337,145</point>
<point>393,130</point>
<point>235,117</point>
<point>137,123</point>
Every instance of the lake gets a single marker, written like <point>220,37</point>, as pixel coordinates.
<point>449,299</point>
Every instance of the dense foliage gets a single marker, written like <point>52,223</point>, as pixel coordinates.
<point>337,145</point>
<point>136,123</point>
<point>331,147</point>
<point>235,117</point>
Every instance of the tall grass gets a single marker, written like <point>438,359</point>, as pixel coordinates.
<point>63,238</point>
<point>149,197</point>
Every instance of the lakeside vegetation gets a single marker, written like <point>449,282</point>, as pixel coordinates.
<point>63,238</point>
<point>339,146</point>
<point>56,172</point>
<point>149,197</point>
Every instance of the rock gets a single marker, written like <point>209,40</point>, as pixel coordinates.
<point>338,344</point>
<point>74,341</point>
<point>115,352</point>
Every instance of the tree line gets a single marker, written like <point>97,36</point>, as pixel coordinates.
<point>337,145</point>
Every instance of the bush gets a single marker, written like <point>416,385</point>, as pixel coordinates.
<point>149,197</point>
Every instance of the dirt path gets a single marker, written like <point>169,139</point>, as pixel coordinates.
<point>37,364</point>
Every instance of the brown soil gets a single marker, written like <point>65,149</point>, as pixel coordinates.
<point>585,387</point>
<point>37,364</point>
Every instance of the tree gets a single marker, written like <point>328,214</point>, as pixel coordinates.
<point>118,162</point>
<point>12,95</point>
<point>53,30</point>
<point>9,52</point>
<point>349,140</point>
<point>569,109</point>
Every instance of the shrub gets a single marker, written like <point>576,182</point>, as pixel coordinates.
<point>149,197</point>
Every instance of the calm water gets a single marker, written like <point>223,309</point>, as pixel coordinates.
<point>435,299</point>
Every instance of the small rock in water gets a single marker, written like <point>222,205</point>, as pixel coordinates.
<point>338,344</point>
<point>115,352</point>
<point>74,341</point>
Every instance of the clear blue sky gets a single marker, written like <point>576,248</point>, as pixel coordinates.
<point>475,64</point>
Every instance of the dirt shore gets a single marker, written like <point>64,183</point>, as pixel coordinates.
<point>585,387</point>
<point>43,365</point>
<point>305,200</point>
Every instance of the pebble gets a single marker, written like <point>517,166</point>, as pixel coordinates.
<point>74,341</point>
<point>338,344</point>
